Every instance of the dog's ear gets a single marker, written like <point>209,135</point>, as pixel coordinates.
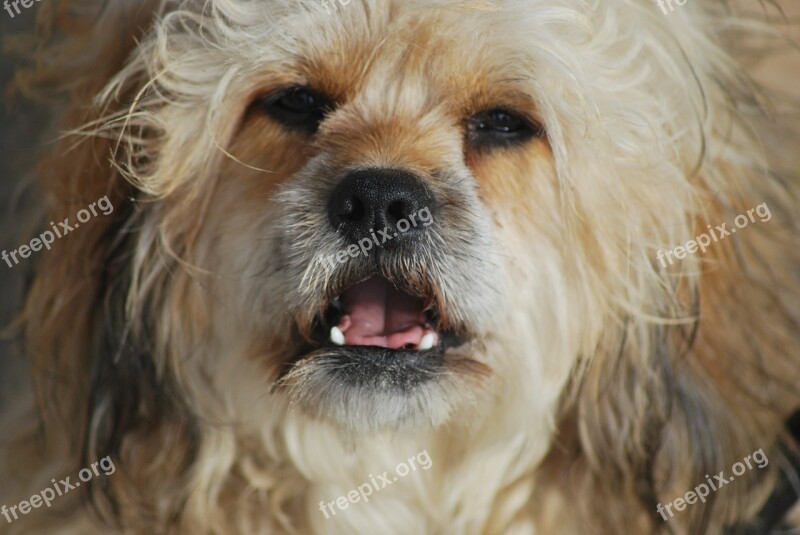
<point>642,426</point>
<point>664,405</point>
<point>698,369</point>
<point>94,371</point>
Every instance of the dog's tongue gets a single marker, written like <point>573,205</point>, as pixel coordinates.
<point>377,314</point>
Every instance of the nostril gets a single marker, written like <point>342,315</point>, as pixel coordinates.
<point>397,211</point>
<point>351,210</point>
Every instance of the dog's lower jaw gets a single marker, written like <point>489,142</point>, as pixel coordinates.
<point>369,390</point>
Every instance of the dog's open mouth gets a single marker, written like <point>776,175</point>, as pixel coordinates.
<point>375,313</point>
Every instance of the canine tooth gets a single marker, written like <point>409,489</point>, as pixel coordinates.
<point>427,342</point>
<point>337,337</point>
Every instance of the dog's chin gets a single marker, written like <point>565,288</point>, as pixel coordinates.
<point>380,357</point>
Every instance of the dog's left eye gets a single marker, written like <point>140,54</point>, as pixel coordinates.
<point>501,127</point>
<point>300,108</point>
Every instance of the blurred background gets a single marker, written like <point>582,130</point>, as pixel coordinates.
<point>20,125</point>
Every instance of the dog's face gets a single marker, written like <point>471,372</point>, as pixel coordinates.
<point>373,228</point>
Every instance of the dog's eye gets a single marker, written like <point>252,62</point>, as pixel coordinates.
<point>499,127</point>
<point>299,108</point>
<point>500,121</point>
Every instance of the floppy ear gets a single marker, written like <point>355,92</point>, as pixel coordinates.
<point>646,431</point>
<point>699,370</point>
<point>664,404</point>
<point>94,372</point>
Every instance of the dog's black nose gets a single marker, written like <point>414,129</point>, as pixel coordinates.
<point>370,200</point>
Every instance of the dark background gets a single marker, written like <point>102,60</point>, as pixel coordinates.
<point>21,124</point>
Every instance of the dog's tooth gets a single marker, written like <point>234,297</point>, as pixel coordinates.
<point>337,337</point>
<point>427,342</point>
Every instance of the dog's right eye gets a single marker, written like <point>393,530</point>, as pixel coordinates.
<point>299,108</point>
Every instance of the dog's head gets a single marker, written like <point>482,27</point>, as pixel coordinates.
<point>364,210</point>
<point>391,220</point>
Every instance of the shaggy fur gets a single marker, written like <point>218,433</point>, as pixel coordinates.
<point>595,385</point>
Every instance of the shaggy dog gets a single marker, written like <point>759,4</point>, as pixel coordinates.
<point>344,240</point>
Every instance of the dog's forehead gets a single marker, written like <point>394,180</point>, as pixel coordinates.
<point>415,53</point>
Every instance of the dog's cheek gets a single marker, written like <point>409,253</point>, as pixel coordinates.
<point>540,331</point>
<point>241,260</point>
<point>519,183</point>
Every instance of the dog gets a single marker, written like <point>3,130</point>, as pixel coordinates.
<point>419,233</point>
